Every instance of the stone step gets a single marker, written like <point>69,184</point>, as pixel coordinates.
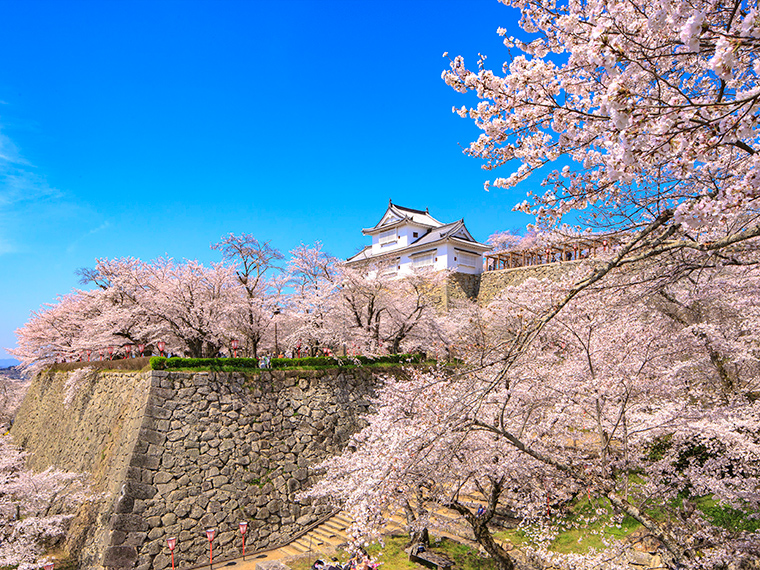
<point>335,526</point>
<point>290,551</point>
<point>306,543</point>
<point>342,519</point>
<point>326,533</point>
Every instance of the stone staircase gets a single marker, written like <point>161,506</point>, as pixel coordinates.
<point>330,533</point>
<point>333,532</point>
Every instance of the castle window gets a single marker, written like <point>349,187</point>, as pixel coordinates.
<point>387,237</point>
<point>467,259</point>
<point>424,260</point>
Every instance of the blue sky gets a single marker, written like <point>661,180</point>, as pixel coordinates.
<point>154,128</point>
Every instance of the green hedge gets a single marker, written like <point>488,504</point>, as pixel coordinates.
<point>163,363</point>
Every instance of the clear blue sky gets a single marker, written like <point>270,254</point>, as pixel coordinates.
<point>151,128</point>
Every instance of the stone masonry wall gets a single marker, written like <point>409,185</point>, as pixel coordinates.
<point>493,282</point>
<point>217,451</point>
<point>463,286</point>
<point>176,453</point>
<point>95,432</point>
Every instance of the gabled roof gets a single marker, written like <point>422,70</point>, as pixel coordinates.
<point>454,230</point>
<point>397,215</point>
<point>363,255</point>
<point>455,233</point>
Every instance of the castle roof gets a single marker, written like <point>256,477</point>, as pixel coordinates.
<point>435,233</point>
<point>397,215</point>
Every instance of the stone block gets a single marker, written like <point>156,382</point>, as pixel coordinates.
<point>185,393</point>
<point>219,480</point>
<point>139,490</point>
<point>143,461</point>
<point>135,538</point>
<point>151,436</point>
<point>187,524</point>
<point>156,424</point>
<point>118,537</point>
<point>158,413</point>
<point>177,495</point>
<point>124,504</point>
<point>162,477</point>
<point>167,488</point>
<point>128,523</point>
<point>168,519</point>
<point>120,557</point>
<point>165,393</point>
<point>139,506</point>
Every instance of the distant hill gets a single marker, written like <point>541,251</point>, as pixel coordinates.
<point>8,362</point>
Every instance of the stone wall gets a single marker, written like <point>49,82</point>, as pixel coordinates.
<point>493,282</point>
<point>463,286</point>
<point>95,432</point>
<point>176,453</point>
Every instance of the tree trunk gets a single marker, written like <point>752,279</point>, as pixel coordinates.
<point>497,553</point>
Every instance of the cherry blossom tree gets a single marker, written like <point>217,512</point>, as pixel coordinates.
<point>35,508</point>
<point>383,312</point>
<point>664,94</point>
<point>254,262</point>
<point>367,308</point>
<point>186,305</point>
<point>61,330</point>
<point>642,393</point>
<point>312,274</point>
<point>648,110</point>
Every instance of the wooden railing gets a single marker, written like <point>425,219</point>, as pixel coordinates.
<point>570,251</point>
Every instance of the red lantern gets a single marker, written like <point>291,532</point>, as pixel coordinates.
<point>88,354</point>
<point>161,346</point>
<point>110,352</point>
<point>49,566</point>
<point>243,529</point>
<point>210,535</point>
<point>128,350</point>
<point>141,348</point>
<point>235,345</point>
<point>101,354</point>
<point>172,542</point>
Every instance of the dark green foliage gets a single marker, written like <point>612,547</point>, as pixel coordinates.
<point>730,518</point>
<point>657,449</point>
<point>163,363</point>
